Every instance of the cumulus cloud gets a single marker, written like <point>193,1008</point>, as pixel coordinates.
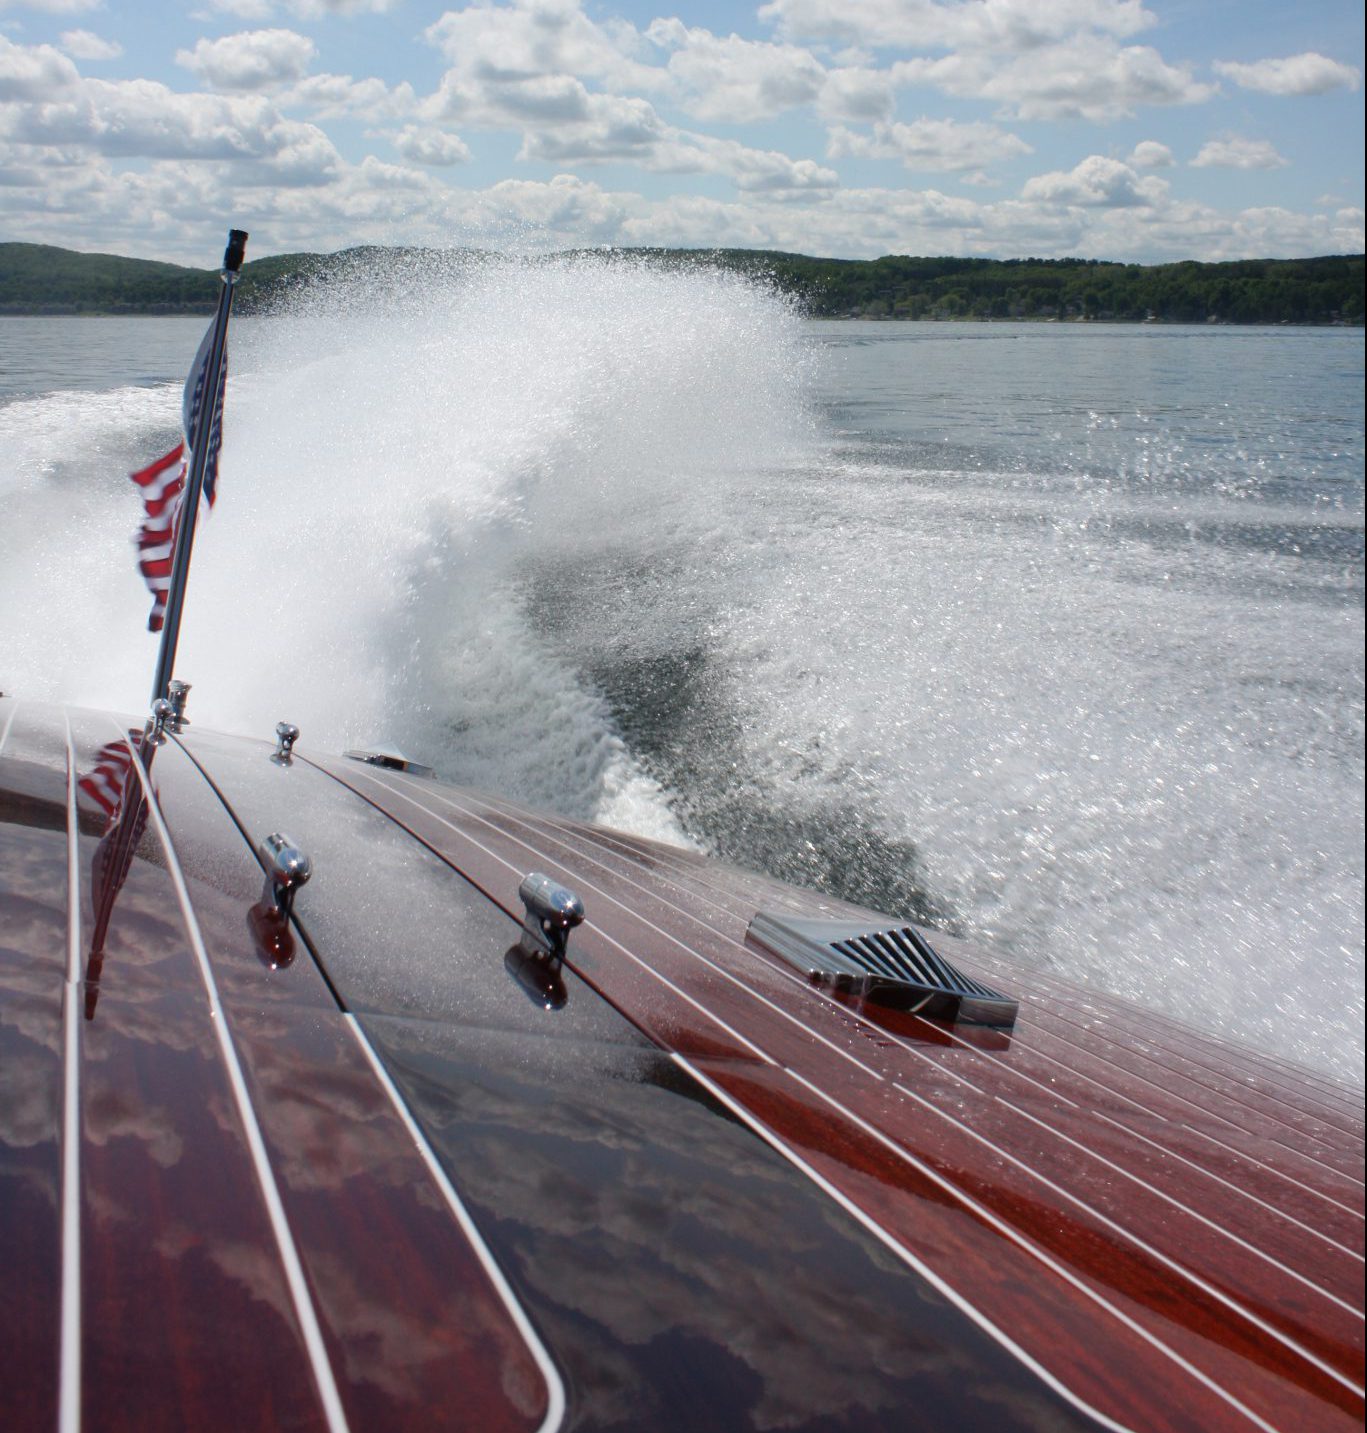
<point>336,96</point>
<point>758,170</point>
<point>54,7</point>
<point>927,24</point>
<point>244,9</point>
<point>567,204</point>
<point>609,128</point>
<point>1096,182</point>
<point>1348,231</point>
<point>931,144</point>
<point>857,94</point>
<point>253,61</point>
<point>1149,154</point>
<point>83,45</point>
<point>1306,74</point>
<point>575,125</point>
<point>34,72</point>
<point>1089,77</point>
<point>145,120</point>
<point>1238,154</point>
<point>532,38</point>
<point>301,9</point>
<point>317,9</point>
<point>732,80</point>
<point>431,146</point>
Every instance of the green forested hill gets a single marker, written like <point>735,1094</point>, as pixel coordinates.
<point>38,278</point>
<point>1324,290</point>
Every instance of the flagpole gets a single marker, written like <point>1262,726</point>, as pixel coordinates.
<point>199,456</point>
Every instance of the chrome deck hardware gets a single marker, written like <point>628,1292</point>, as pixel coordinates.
<point>536,962</point>
<point>885,963</point>
<point>287,868</point>
<point>286,734</point>
<point>178,694</point>
<point>155,730</point>
<point>552,912</point>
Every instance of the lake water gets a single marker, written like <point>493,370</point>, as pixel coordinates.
<point>1052,634</point>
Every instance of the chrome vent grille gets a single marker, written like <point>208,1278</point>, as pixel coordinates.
<point>887,963</point>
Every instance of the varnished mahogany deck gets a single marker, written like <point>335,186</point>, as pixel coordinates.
<point>185,1315</point>
<point>1174,1237</point>
<point>337,1193</point>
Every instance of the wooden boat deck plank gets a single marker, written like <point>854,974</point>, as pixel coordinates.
<point>1063,1058</point>
<point>494,854</point>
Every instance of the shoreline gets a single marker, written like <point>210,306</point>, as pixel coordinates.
<point>1073,320</point>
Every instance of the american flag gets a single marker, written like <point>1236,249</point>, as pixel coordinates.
<point>103,789</point>
<point>110,790</point>
<point>163,482</point>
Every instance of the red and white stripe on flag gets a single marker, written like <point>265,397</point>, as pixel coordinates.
<point>162,483</point>
<point>103,787</point>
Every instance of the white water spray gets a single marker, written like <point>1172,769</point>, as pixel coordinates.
<point>407,449</point>
<point>568,530</point>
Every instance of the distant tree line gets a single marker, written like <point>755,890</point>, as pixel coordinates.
<point>40,278</point>
<point>1326,290</point>
<point>37,278</point>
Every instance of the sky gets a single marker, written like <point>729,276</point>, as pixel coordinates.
<point>1112,129</point>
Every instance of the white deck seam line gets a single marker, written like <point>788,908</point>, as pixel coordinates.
<point>1138,1050</point>
<point>1046,1259</point>
<point>734,980</point>
<point>1241,1154</point>
<point>69,1376</point>
<point>555,1388</point>
<point>1235,1055</point>
<point>963,1197</point>
<point>1177,1267</point>
<point>706,889</point>
<point>4,735</point>
<point>1260,1084</point>
<point>1280,1173</point>
<point>1291,1273</point>
<point>275,1209</point>
<point>580,855</point>
<point>891,1242</point>
<point>1193,1070</point>
<point>1119,1229</point>
<point>1202,1110</point>
<point>1205,1113</point>
<point>1230,1185</point>
<point>1328,1168</point>
<point>1153,1188</point>
<point>700,888</point>
<point>1252,1081</point>
<point>663,979</point>
<point>660,931</point>
<point>1156,1022</point>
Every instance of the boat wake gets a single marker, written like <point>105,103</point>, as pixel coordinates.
<point>578,531</point>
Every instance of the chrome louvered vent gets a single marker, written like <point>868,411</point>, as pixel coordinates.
<point>887,963</point>
<point>391,759</point>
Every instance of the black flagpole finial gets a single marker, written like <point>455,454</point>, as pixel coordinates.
<point>236,250</point>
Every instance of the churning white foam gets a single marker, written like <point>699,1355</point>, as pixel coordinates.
<point>525,520</point>
<point>407,447</point>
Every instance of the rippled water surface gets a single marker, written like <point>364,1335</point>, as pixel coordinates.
<point>1051,634</point>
